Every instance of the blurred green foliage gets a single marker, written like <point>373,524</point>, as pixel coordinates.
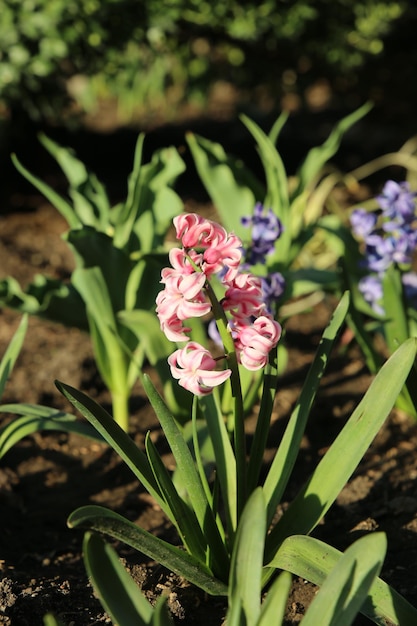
<point>143,52</point>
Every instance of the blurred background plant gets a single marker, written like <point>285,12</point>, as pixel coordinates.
<point>118,256</point>
<point>61,56</point>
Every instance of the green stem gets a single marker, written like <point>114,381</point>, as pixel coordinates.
<point>239,436</point>
<point>120,405</point>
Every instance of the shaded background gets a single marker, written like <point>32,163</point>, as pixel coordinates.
<point>92,74</point>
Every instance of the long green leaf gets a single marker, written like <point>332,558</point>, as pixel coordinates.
<point>320,155</point>
<point>275,603</point>
<point>103,520</point>
<point>115,436</point>
<point>276,175</point>
<point>91,204</point>
<point>313,560</point>
<point>340,461</point>
<point>110,357</point>
<point>54,198</point>
<point>190,479</point>
<point>36,419</point>
<point>182,516</point>
<point>346,587</point>
<point>245,583</point>
<point>224,456</point>
<point>116,589</point>
<point>287,452</point>
<point>12,352</point>
<point>227,182</point>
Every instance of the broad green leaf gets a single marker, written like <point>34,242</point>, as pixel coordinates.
<point>245,584</point>
<point>95,249</point>
<point>111,359</point>
<point>118,593</point>
<point>231,186</point>
<point>346,587</point>
<point>342,458</point>
<point>103,520</point>
<point>276,176</point>
<point>287,452</point>
<point>313,560</point>
<point>8,359</point>
<point>36,419</point>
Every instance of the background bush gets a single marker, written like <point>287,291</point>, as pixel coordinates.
<point>155,53</point>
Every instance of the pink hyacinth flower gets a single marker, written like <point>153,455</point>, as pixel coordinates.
<point>194,368</point>
<point>254,342</point>
<point>244,297</point>
<point>221,249</point>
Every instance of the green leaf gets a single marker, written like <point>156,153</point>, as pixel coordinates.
<point>178,561</point>
<point>115,588</point>
<point>111,359</point>
<point>157,348</point>
<point>182,516</point>
<point>346,587</point>
<point>275,604</point>
<point>228,183</point>
<point>50,620</point>
<point>91,204</point>
<point>396,324</point>
<point>224,456</point>
<point>320,155</point>
<point>115,436</point>
<point>338,464</point>
<point>285,457</point>
<point>54,198</point>
<point>12,352</point>
<point>142,221</point>
<point>245,584</point>
<point>190,479</point>
<point>36,418</point>
<point>313,560</point>
<point>48,298</point>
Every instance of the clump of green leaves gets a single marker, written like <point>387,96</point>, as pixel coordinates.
<point>208,515</point>
<point>119,252</point>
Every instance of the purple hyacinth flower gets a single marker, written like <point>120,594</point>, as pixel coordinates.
<point>363,222</point>
<point>266,229</point>
<point>371,289</point>
<point>273,287</point>
<point>398,202</point>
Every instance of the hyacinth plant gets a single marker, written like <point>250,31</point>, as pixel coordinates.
<point>380,272</point>
<point>206,504</point>
<point>118,254</point>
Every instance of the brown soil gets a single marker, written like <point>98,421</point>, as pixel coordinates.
<point>48,475</point>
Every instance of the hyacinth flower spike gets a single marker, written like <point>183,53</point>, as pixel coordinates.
<point>247,330</point>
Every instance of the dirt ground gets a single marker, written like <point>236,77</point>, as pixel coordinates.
<point>46,476</point>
